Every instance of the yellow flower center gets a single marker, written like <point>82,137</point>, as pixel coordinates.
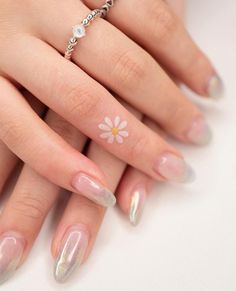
<point>114,131</point>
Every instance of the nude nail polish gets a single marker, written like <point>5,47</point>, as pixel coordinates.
<point>71,253</point>
<point>11,251</point>
<point>93,190</point>
<point>137,204</point>
<point>199,132</point>
<point>174,168</point>
<point>215,87</point>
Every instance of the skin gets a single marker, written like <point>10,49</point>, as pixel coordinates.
<point>34,195</point>
<point>76,91</point>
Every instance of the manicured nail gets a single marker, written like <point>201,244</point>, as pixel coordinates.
<point>199,133</point>
<point>137,204</point>
<point>93,190</point>
<point>215,88</point>
<point>11,250</point>
<point>71,254</point>
<point>174,168</point>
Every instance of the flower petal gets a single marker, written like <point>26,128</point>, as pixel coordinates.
<point>105,135</point>
<point>119,138</point>
<point>111,139</point>
<point>124,133</point>
<point>108,122</point>
<point>103,126</point>
<point>117,121</point>
<point>123,124</point>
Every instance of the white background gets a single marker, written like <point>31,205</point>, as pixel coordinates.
<point>187,238</point>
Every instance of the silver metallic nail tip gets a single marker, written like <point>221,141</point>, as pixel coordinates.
<point>206,138</point>
<point>60,276</point>
<point>137,205</point>
<point>215,88</point>
<point>190,175</point>
<point>62,272</point>
<point>71,253</point>
<point>108,199</point>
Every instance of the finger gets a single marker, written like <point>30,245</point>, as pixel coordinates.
<point>129,71</point>
<point>165,37</point>
<point>46,151</point>
<point>132,193</point>
<point>8,160</point>
<point>77,230</point>
<point>135,186</point>
<point>178,6</point>
<point>92,109</point>
<point>29,204</point>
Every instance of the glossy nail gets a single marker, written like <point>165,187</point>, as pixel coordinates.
<point>137,204</point>
<point>71,254</point>
<point>174,168</point>
<point>93,190</point>
<point>199,132</point>
<point>11,250</point>
<point>215,87</point>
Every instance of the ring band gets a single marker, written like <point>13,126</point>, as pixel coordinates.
<point>79,29</point>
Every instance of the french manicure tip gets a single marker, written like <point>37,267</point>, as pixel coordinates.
<point>215,88</point>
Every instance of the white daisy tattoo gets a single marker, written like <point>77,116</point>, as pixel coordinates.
<point>114,131</point>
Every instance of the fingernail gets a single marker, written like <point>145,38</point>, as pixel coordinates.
<point>174,168</point>
<point>199,133</point>
<point>215,88</point>
<point>71,254</point>
<point>93,190</point>
<point>137,204</point>
<point>11,250</point>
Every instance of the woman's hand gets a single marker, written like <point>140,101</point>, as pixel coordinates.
<point>31,35</point>
<point>33,197</point>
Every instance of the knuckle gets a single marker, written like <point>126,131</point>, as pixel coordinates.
<point>130,68</point>
<point>11,132</point>
<point>196,63</point>
<point>29,206</point>
<point>174,115</point>
<point>80,102</point>
<point>163,21</point>
<point>137,148</point>
<point>63,128</point>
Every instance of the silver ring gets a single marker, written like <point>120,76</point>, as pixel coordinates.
<point>79,30</point>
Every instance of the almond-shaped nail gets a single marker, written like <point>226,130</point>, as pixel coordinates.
<point>71,253</point>
<point>174,168</point>
<point>11,251</point>
<point>199,132</point>
<point>137,204</point>
<point>215,87</point>
<point>93,190</point>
